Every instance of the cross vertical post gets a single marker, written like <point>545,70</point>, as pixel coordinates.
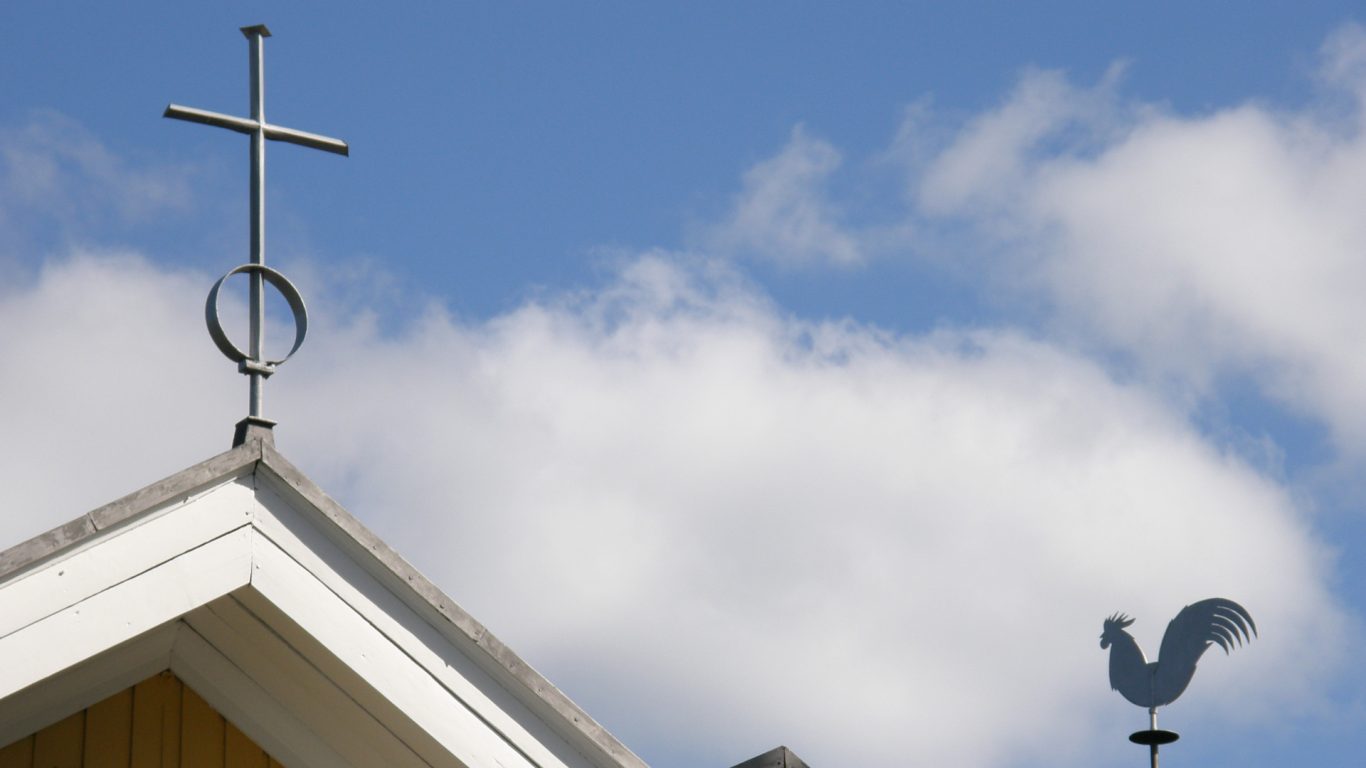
<point>255,36</point>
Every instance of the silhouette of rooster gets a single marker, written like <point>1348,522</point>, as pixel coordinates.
<point>1195,628</point>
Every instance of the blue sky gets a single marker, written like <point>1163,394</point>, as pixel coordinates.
<point>837,368</point>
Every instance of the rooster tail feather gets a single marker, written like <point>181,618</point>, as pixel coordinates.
<point>1239,619</point>
<point>1209,622</point>
<point>1230,631</point>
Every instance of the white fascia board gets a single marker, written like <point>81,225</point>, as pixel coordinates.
<point>383,667</point>
<point>540,708</point>
<point>143,544</point>
<point>126,610</point>
<point>365,586</point>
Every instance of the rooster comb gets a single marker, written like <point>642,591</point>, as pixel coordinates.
<point>1117,621</point>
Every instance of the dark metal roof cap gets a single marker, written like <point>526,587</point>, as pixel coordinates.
<point>778,757</point>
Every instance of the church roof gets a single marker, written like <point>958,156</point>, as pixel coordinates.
<point>273,602</point>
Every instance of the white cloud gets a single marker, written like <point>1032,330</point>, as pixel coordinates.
<point>717,526</point>
<point>107,383</point>
<point>1343,58</point>
<point>987,162</point>
<point>784,214</point>
<point>722,526</point>
<point>53,169</point>
<point>1224,243</point>
<point>1228,242</point>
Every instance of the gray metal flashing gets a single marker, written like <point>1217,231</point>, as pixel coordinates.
<point>45,544</point>
<point>257,453</point>
<point>181,485</point>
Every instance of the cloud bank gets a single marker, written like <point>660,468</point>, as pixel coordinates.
<point>1229,242</point>
<point>1221,244</point>
<point>718,526</point>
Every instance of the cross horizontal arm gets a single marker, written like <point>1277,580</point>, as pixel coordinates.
<point>244,125</point>
<point>239,124</point>
<point>306,139</point>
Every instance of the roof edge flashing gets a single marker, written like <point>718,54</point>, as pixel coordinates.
<point>179,487</point>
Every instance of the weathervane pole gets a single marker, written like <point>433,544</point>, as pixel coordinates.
<point>1152,726</point>
<point>1153,737</point>
<point>253,362</point>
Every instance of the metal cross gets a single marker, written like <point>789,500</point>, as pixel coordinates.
<point>253,363</point>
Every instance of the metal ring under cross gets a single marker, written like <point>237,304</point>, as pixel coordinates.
<point>296,306</point>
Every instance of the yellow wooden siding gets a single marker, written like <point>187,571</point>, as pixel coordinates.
<point>158,723</point>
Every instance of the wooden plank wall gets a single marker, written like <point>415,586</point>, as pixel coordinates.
<point>158,723</point>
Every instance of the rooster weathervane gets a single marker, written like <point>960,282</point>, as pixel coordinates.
<point>1154,684</point>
